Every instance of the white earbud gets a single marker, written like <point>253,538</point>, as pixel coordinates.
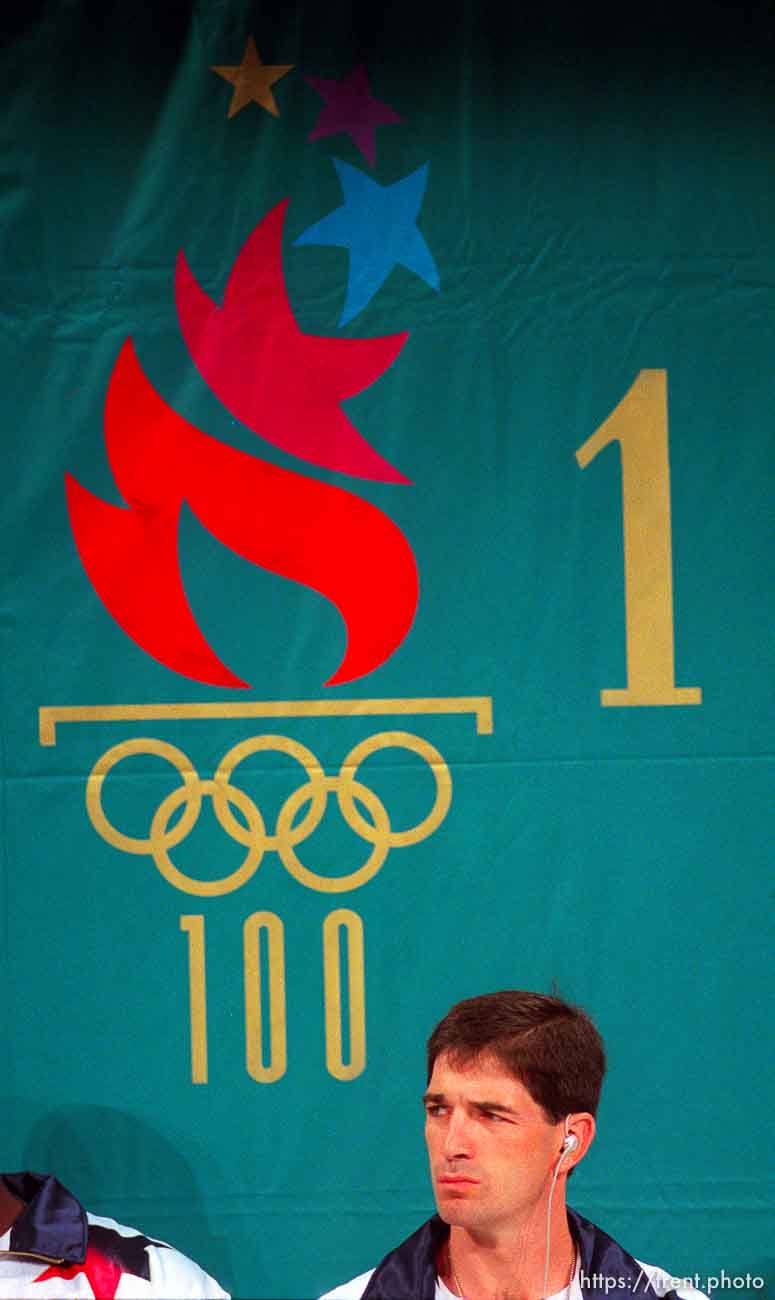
<point>569,1143</point>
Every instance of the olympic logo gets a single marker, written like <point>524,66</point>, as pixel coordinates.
<point>288,832</point>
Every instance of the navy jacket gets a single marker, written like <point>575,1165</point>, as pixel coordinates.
<point>409,1272</point>
<point>53,1228</point>
<point>55,1237</point>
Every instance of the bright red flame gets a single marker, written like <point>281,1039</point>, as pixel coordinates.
<point>313,533</point>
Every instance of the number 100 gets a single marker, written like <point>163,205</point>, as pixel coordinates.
<point>266,1056</point>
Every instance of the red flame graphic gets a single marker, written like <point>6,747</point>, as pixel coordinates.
<point>102,1273</point>
<point>285,385</point>
<point>310,532</point>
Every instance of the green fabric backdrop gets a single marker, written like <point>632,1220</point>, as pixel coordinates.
<point>599,202</point>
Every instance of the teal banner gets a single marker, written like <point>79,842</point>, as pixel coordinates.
<point>388,426</point>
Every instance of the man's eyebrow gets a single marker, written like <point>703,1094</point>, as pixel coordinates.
<point>494,1105</point>
<point>437,1098</point>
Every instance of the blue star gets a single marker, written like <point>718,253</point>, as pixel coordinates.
<point>377,224</point>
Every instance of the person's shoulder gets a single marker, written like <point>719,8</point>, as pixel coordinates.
<point>152,1266</point>
<point>661,1282</point>
<point>351,1290</point>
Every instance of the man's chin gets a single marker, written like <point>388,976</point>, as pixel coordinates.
<point>458,1211</point>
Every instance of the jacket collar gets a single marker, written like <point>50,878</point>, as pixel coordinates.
<point>409,1271</point>
<point>53,1227</point>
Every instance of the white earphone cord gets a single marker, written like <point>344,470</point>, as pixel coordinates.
<point>564,1153</point>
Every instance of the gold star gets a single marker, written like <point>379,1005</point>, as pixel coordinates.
<point>251,80</point>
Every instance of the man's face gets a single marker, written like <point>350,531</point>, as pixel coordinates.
<point>492,1150</point>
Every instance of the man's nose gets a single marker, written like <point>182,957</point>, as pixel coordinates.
<point>458,1140</point>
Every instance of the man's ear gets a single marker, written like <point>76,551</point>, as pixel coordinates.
<point>580,1125</point>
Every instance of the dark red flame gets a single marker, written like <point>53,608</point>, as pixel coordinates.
<point>285,385</point>
<point>313,533</point>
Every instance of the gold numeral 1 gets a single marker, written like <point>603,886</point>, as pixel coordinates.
<point>272,926</point>
<point>343,919</point>
<point>194,926</point>
<point>639,425</point>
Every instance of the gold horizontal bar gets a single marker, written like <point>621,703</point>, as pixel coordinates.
<point>51,714</point>
<point>624,697</point>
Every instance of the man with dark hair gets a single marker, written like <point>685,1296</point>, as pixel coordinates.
<point>514,1081</point>
<point>50,1246</point>
<point>551,1046</point>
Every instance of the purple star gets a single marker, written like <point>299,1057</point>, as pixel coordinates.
<point>351,108</point>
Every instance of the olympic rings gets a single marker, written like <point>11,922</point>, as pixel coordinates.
<point>284,745</point>
<point>109,759</point>
<point>396,740</point>
<point>336,884</point>
<point>208,888</point>
<point>288,833</point>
